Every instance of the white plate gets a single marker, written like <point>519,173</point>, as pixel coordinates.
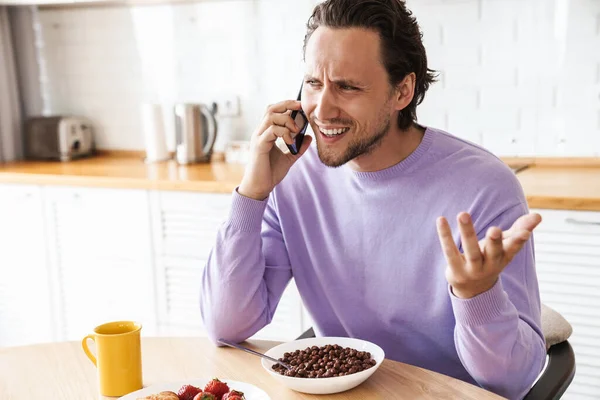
<point>250,391</point>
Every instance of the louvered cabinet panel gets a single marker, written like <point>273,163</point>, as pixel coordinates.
<point>101,257</point>
<point>179,307</point>
<point>186,224</point>
<point>179,281</point>
<point>287,321</point>
<point>185,227</point>
<point>567,246</point>
<point>26,312</point>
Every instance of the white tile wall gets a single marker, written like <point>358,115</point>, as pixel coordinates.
<point>521,77</point>
<point>105,62</point>
<point>532,66</point>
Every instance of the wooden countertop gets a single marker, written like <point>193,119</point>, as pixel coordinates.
<point>61,371</point>
<point>126,171</point>
<point>562,188</point>
<point>572,184</point>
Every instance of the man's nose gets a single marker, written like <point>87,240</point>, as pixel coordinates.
<point>327,107</point>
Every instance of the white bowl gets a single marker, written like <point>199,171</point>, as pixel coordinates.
<point>324,385</point>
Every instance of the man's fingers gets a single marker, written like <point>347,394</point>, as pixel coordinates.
<point>494,249</point>
<point>284,120</point>
<point>274,131</point>
<point>526,222</point>
<point>515,243</point>
<point>470,244</point>
<point>451,252</point>
<point>284,106</point>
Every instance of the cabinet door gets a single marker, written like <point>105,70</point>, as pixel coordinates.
<point>26,313</point>
<point>185,226</point>
<point>178,298</point>
<point>100,248</point>
<point>567,247</point>
<point>287,323</point>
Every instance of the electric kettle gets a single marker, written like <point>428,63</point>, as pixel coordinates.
<point>195,133</point>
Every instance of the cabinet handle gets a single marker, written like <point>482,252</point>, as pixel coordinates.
<point>579,222</point>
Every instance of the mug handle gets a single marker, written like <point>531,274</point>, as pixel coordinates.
<point>87,350</point>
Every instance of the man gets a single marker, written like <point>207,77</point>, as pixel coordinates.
<point>353,219</point>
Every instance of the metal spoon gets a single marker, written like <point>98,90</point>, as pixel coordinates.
<point>256,353</point>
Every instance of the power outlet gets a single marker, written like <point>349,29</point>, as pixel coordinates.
<point>228,106</point>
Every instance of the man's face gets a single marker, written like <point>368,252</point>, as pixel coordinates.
<point>346,95</point>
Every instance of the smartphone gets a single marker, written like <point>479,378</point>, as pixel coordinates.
<point>300,119</point>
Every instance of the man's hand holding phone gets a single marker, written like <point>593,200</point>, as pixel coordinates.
<point>268,165</point>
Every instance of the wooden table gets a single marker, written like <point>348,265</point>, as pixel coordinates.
<point>60,371</point>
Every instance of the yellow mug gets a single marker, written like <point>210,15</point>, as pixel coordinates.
<point>119,357</point>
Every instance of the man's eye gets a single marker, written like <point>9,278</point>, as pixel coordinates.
<point>311,82</point>
<point>348,87</point>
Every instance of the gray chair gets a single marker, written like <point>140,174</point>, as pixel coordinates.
<point>560,368</point>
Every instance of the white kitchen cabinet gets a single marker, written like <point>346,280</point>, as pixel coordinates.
<point>287,323</point>
<point>185,226</point>
<point>567,248</point>
<point>26,312</point>
<point>72,258</point>
<point>100,257</point>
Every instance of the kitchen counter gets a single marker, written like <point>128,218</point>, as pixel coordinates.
<point>572,184</point>
<point>560,187</point>
<point>126,170</point>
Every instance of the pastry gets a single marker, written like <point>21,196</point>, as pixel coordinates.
<point>161,396</point>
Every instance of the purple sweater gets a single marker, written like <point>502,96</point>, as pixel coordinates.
<point>364,252</point>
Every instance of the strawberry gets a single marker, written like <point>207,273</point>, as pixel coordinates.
<point>217,388</point>
<point>188,392</point>
<point>205,396</point>
<point>233,395</point>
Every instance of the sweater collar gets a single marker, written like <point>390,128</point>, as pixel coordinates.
<point>400,167</point>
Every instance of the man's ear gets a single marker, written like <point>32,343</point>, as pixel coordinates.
<point>405,91</point>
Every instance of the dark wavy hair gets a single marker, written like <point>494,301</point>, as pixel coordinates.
<point>402,49</point>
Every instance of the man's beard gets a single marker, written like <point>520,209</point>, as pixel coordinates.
<point>357,147</point>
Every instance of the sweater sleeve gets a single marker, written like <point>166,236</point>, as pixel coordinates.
<point>498,333</point>
<point>247,271</point>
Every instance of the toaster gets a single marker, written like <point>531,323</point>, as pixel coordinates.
<point>58,138</point>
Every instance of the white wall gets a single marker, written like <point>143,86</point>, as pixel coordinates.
<point>521,77</point>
